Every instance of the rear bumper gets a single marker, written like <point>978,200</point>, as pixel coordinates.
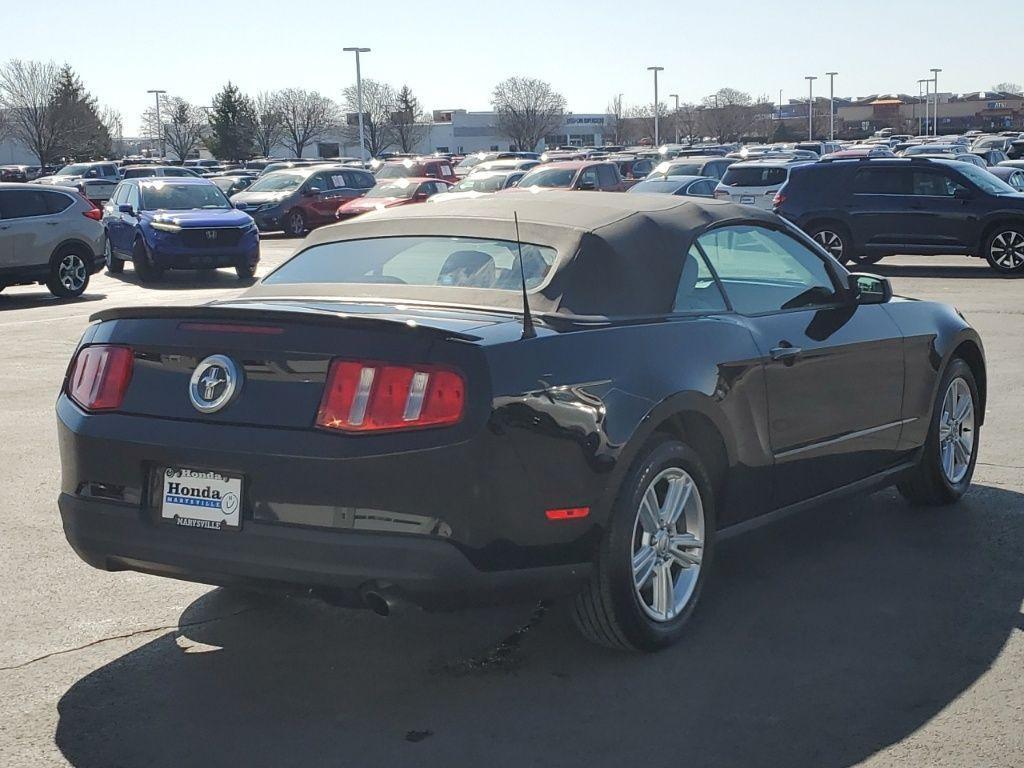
<point>430,572</point>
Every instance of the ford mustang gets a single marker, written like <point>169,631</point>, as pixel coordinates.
<point>512,397</point>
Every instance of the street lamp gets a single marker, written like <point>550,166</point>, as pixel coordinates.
<point>810,106</point>
<point>920,98</point>
<point>831,105</point>
<point>159,126</point>
<point>675,115</point>
<point>935,79</point>
<point>656,70</point>
<point>359,94</point>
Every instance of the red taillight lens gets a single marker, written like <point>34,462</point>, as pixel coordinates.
<point>99,377</point>
<point>721,194</point>
<point>778,200</point>
<point>95,213</point>
<point>373,397</point>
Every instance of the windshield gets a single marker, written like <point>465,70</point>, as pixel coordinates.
<point>401,188</point>
<point>754,177</point>
<point>549,177</point>
<point>930,149</point>
<point>277,182</point>
<point>448,262</point>
<point>164,196</point>
<point>479,184</point>
<point>678,169</point>
<point>470,161</point>
<point>985,180</point>
<point>78,169</point>
<point>398,171</point>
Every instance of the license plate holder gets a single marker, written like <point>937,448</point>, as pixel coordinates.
<point>200,498</point>
<point>747,199</point>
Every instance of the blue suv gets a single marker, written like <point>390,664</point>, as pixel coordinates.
<point>177,223</point>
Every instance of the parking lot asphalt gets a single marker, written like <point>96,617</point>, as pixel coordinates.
<point>867,633</point>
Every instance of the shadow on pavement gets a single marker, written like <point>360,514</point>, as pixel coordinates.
<point>973,269</point>
<point>43,298</point>
<point>188,279</point>
<point>819,641</point>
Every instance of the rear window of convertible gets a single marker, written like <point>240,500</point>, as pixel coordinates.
<point>449,262</point>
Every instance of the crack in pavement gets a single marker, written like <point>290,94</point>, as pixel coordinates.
<point>126,635</point>
<point>1000,466</point>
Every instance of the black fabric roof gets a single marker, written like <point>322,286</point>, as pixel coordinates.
<point>618,254</point>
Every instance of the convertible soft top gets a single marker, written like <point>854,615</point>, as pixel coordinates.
<point>618,255</point>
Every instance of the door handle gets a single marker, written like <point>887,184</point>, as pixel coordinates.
<point>51,223</point>
<point>786,352</point>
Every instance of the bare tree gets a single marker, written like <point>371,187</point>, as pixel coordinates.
<point>407,120</point>
<point>111,119</point>
<point>528,110</point>
<point>305,117</point>
<point>1013,88</point>
<point>642,119</point>
<point>27,91</point>
<point>728,114</point>
<point>688,120</point>
<point>379,104</point>
<point>183,127</point>
<point>268,122</point>
<point>615,110</point>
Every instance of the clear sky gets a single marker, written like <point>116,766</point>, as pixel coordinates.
<point>452,52</point>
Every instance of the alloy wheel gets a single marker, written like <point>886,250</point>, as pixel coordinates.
<point>956,430</point>
<point>668,541</point>
<point>72,272</point>
<point>296,224</point>
<point>831,242</point>
<point>1007,250</point>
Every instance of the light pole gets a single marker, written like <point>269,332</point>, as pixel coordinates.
<point>675,115</point>
<point>920,98</point>
<point>831,105</point>
<point>935,79</point>
<point>810,106</point>
<point>656,70</point>
<point>159,126</point>
<point>359,94</point>
<point>927,107</point>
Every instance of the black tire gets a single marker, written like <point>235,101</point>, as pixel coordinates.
<point>927,483</point>
<point>838,243</point>
<point>115,266</point>
<point>69,273</point>
<point>295,223</point>
<point>1004,250</point>
<point>608,611</point>
<point>147,271</point>
<point>245,271</point>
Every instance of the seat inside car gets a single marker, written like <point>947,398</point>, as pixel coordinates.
<point>473,269</point>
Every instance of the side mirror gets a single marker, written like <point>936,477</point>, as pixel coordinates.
<point>870,289</point>
<point>587,186</point>
<point>125,208</point>
<point>310,191</point>
<point>241,206</point>
<point>962,193</point>
<point>420,196</point>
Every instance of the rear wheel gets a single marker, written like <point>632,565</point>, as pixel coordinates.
<point>1004,250</point>
<point>652,561</point>
<point>944,471</point>
<point>145,268</point>
<point>295,223</point>
<point>114,265</point>
<point>69,275</point>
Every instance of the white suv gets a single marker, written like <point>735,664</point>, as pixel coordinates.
<point>96,181</point>
<point>49,236</point>
<point>755,182</point>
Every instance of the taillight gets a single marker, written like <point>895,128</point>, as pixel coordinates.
<point>721,194</point>
<point>779,199</point>
<point>374,397</point>
<point>95,213</point>
<point>99,377</point>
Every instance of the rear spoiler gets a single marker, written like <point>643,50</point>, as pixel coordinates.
<point>263,313</point>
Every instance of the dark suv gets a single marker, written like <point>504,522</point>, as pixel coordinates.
<point>863,210</point>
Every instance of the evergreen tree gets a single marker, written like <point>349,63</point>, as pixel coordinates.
<point>232,125</point>
<point>407,119</point>
<point>83,136</point>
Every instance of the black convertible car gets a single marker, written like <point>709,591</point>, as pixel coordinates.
<point>381,421</point>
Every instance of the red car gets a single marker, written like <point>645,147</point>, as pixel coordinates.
<point>388,194</point>
<point>575,174</point>
<point>422,167</point>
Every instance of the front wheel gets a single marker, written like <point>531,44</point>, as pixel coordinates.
<point>145,267</point>
<point>1004,250</point>
<point>69,275</point>
<point>295,223</point>
<point>115,266</point>
<point>944,471</point>
<point>245,271</point>
<point>652,560</point>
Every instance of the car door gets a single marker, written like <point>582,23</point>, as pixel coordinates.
<point>30,228</point>
<point>128,222</point>
<point>833,368</point>
<point>112,216</point>
<point>6,235</point>
<point>943,212</point>
<point>879,205</point>
<point>700,188</point>
<point>323,203</point>
<point>587,179</point>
